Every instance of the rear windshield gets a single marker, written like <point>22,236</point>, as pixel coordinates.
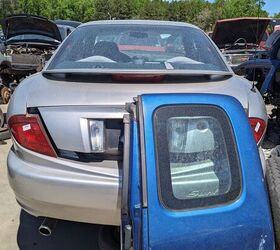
<point>152,47</point>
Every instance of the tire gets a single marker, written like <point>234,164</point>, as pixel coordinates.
<point>108,238</point>
<point>273,183</point>
<point>5,95</point>
<point>2,119</point>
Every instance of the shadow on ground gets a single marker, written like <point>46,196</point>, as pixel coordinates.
<point>66,235</point>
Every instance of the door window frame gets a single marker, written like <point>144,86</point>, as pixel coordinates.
<point>165,193</point>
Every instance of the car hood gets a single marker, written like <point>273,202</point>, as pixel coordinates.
<point>228,31</point>
<point>16,25</point>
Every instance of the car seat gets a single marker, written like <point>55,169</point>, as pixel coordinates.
<point>110,50</point>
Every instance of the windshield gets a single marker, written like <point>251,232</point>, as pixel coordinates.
<point>138,47</point>
<point>29,37</point>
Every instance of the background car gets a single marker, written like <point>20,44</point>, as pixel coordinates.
<point>64,30</point>
<point>239,38</point>
<point>67,121</point>
<point>70,23</point>
<point>265,73</point>
<point>29,42</point>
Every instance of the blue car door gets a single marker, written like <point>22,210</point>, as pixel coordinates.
<point>192,176</point>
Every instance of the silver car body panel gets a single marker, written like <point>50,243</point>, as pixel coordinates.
<point>65,189</point>
<point>89,192</point>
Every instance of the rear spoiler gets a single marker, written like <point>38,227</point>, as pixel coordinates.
<point>137,72</point>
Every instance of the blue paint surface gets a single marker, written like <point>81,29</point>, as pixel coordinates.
<point>243,224</point>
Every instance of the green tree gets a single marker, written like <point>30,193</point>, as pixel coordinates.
<point>174,10</point>
<point>154,9</point>
<point>103,9</point>
<point>199,12</point>
<point>239,8</point>
<point>35,7</point>
<point>82,10</point>
<point>137,6</point>
<point>122,9</point>
<point>7,7</point>
<point>277,15</point>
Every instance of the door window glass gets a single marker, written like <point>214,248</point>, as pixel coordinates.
<point>197,159</point>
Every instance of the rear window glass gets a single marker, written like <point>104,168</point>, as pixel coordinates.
<point>119,46</point>
<point>197,160</point>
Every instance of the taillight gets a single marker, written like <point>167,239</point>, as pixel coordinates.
<point>29,132</point>
<point>258,126</point>
<point>137,78</point>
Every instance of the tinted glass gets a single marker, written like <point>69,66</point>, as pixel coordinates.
<point>32,37</point>
<point>197,160</point>
<point>199,164</point>
<point>138,47</point>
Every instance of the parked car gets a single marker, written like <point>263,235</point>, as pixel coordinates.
<point>67,121</point>
<point>266,73</point>
<point>239,38</point>
<point>192,177</point>
<point>29,42</point>
<point>70,23</point>
<point>65,30</point>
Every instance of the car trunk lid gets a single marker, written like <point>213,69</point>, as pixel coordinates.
<point>66,107</point>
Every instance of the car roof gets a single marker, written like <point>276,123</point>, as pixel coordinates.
<point>71,23</point>
<point>65,26</point>
<point>139,22</point>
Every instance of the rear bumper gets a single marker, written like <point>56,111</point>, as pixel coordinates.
<point>75,195</point>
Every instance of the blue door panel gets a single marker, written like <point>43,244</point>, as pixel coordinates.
<point>243,224</point>
<point>135,192</point>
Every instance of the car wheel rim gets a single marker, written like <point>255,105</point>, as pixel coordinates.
<point>5,94</point>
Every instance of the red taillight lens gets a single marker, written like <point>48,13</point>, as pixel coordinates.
<point>258,126</point>
<point>28,131</point>
<point>137,78</point>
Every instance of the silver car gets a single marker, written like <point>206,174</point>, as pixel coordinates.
<point>67,121</point>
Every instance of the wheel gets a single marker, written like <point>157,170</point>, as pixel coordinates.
<point>273,183</point>
<point>2,118</point>
<point>108,238</point>
<point>5,95</point>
